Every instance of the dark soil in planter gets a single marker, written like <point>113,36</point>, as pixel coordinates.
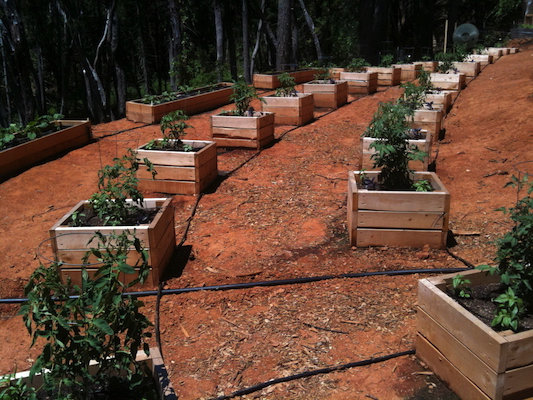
<point>482,306</point>
<point>21,140</point>
<point>173,96</point>
<point>137,216</point>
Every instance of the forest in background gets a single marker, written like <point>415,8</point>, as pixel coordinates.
<point>86,58</point>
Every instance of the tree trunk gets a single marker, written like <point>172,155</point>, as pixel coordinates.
<point>174,46</point>
<point>20,66</point>
<point>219,30</point>
<point>311,26</point>
<point>283,48</point>
<point>246,43</point>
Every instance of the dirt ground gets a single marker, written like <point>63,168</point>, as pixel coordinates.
<point>280,214</point>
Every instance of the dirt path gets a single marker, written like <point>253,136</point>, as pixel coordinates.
<point>281,214</point>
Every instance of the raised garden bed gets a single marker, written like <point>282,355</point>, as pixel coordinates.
<point>409,72</point>
<point>74,134</point>
<point>473,359</point>
<point>440,100</point>
<point>429,66</point>
<point>387,76</point>
<point>290,110</point>
<point>69,243</point>
<point>366,163</point>
<point>179,172</point>
<point>199,100</point>
<point>470,68</point>
<point>360,82</point>
<point>249,131</point>
<point>428,120</point>
<point>397,218</point>
<point>271,81</point>
<point>483,59</point>
<point>328,95</point>
<point>448,81</point>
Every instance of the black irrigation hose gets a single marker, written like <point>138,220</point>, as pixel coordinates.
<point>307,374</point>
<point>279,282</point>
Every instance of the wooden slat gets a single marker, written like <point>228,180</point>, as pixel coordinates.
<point>400,220</point>
<point>367,237</point>
<point>447,372</point>
<point>460,356</point>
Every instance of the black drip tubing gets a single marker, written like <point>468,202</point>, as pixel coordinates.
<point>280,282</point>
<point>306,374</point>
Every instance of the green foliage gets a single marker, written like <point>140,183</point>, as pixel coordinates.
<point>446,60</point>
<point>16,389</point>
<point>116,183</point>
<point>322,74</point>
<point>357,64</point>
<point>172,127</point>
<point>386,60</point>
<point>422,185</point>
<point>514,259</point>
<point>94,321</point>
<point>33,130</point>
<point>242,95</point>
<point>461,286</point>
<point>287,83</point>
<point>389,126</point>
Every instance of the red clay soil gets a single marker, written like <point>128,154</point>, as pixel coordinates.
<point>279,214</point>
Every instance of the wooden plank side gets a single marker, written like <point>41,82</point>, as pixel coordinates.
<point>520,350</point>
<point>400,220</point>
<point>474,334</point>
<point>518,383</point>
<point>402,201</point>
<point>352,208</point>
<point>368,237</point>
<point>447,372</point>
<point>462,358</point>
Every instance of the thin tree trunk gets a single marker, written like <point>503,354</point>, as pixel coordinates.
<point>311,26</point>
<point>142,53</point>
<point>174,46</point>
<point>246,43</point>
<point>219,30</point>
<point>283,48</point>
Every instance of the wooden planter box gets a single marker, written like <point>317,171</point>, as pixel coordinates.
<point>271,81</point>
<point>179,172</point>
<point>360,82</point>
<point>483,59</point>
<point>429,66</point>
<point>448,81</point>
<point>296,110</point>
<point>441,101</point>
<point>495,52</point>
<point>398,218</point>
<point>69,244</point>
<point>234,131</point>
<point>474,360</point>
<point>470,68</point>
<point>429,120</point>
<point>335,73</point>
<point>387,76</point>
<point>73,134</point>
<point>409,72</point>
<point>150,114</point>
<point>330,95</point>
<point>367,164</point>
<point>154,362</point>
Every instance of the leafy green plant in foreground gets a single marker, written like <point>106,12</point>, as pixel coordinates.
<point>514,258</point>
<point>94,321</point>
<point>242,95</point>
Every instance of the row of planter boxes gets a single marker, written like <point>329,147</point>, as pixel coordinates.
<point>472,358</point>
